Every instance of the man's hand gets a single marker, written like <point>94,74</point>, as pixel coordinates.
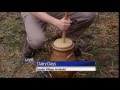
<point>63,24</point>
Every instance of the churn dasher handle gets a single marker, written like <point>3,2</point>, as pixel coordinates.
<point>64,32</point>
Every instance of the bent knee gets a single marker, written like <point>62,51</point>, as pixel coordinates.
<point>36,43</point>
<point>89,15</point>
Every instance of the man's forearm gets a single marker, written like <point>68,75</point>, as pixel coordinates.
<point>45,17</point>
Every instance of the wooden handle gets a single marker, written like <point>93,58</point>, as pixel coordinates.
<point>64,32</point>
<point>66,15</point>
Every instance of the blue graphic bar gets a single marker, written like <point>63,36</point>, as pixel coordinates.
<point>61,63</point>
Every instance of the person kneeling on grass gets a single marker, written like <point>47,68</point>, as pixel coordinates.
<point>36,22</point>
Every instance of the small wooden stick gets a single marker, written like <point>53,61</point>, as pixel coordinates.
<point>64,32</point>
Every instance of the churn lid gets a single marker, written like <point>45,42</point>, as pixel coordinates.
<point>59,45</point>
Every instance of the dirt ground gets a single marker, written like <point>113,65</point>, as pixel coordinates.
<point>102,48</point>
